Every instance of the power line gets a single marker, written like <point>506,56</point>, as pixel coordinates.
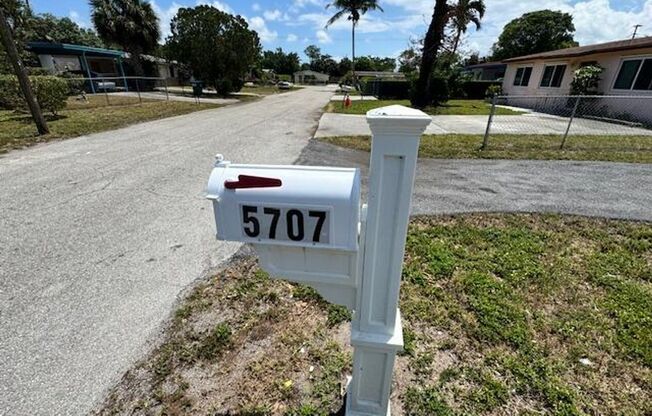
<point>635,30</point>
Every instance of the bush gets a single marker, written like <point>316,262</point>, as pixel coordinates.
<point>493,91</point>
<point>477,90</point>
<point>438,90</point>
<point>226,86</point>
<point>51,92</point>
<point>388,90</point>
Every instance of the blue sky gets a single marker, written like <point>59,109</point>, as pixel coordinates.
<point>294,24</point>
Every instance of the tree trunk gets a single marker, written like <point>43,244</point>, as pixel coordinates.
<point>422,95</point>
<point>355,80</point>
<point>7,39</point>
<point>458,35</point>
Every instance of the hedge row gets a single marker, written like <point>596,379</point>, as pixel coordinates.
<point>51,92</point>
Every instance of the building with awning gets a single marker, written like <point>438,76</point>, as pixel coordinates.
<point>86,61</point>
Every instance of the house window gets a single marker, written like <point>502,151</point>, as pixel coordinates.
<point>635,74</point>
<point>522,77</point>
<point>552,76</point>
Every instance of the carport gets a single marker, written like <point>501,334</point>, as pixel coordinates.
<point>83,60</point>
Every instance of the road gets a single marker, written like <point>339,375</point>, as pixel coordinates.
<point>603,189</point>
<point>101,233</point>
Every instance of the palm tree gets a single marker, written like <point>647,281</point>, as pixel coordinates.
<point>464,13</point>
<point>353,10</point>
<point>131,24</point>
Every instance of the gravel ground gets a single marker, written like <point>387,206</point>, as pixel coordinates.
<point>101,234</point>
<point>613,190</point>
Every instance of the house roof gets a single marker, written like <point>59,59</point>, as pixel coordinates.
<point>68,49</point>
<point>616,46</point>
<point>486,65</point>
<point>309,72</point>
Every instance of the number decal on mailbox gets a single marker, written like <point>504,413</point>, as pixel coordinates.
<point>284,223</point>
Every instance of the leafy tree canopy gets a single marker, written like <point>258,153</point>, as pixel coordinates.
<point>535,32</point>
<point>131,24</point>
<point>219,48</point>
<point>47,27</point>
<point>281,62</point>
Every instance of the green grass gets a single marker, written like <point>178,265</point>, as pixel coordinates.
<point>268,90</point>
<point>635,149</point>
<point>526,298</point>
<point>452,107</point>
<point>498,312</point>
<point>17,130</point>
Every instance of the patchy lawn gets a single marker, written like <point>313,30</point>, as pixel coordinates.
<point>268,90</point>
<point>452,107</point>
<point>17,130</point>
<point>503,314</point>
<point>634,149</point>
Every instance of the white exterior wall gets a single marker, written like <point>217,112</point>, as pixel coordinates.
<point>609,61</point>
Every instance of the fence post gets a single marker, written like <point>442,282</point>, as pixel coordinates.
<point>570,121</point>
<point>140,100</point>
<point>106,94</point>
<point>485,141</point>
<point>167,95</point>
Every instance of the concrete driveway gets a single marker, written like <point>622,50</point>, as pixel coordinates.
<point>333,124</point>
<point>101,233</point>
<point>613,190</point>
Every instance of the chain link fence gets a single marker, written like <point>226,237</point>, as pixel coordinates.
<point>108,91</point>
<point>565,116</point>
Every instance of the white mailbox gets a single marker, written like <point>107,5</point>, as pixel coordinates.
<point>303,221</point>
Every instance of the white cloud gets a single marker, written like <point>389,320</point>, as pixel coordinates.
<point>219,5</point>
<point>271,15</point>
<point>255,7</point>
<point>367,23</point>
<point>75,17</point>
<point>304,3</point>
<point>323,37</point>
<point>165,15</point>
<point>258,24</point>
<point>595,20</point>
<point>292,38</point>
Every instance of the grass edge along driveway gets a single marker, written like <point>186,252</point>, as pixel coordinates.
<point>632,149</point>
<point>503,314</point>
<point>451,107</point>
<point>17,130</point>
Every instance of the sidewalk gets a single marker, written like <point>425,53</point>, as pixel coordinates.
<point>334,124</point>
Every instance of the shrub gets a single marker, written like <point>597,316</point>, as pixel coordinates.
<point>51,92</point>
<point>388,90</point>
<point>10,94</point>
<point>493,90</point>
<point>586,79</point>
<point>438,90</point>
<point>477,90</point>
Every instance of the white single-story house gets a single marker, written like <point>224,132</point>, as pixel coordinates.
<point>310,77</point>
<point>627,69</point>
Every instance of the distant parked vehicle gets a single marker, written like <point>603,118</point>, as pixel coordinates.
<point>105,86</point>
<point>284,85</point>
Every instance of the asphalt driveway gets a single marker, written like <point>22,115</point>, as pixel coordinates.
<point>604,189</point>
<point>100,234</point>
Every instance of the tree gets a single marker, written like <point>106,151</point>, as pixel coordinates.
<point>409,61</point>
<point>62,30</point>
<point>535,32</point>
<point>422,94</point>
<point>7,39</point>
<point>219,48</point>
<point>281,62</point>
<point>313,52</point>
<point>464,13</point>
<point>353,10</point>
<point>131,24</point>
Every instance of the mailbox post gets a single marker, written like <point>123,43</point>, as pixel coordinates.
<point>376,330</point>
<point>307,226</point>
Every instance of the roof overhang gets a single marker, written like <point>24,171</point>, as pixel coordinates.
<point>68,49</point>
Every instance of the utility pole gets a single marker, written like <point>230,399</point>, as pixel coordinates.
<point>7,39</point>
<point>635,30</point>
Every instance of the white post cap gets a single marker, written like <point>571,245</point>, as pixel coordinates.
<point>397,120</point>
